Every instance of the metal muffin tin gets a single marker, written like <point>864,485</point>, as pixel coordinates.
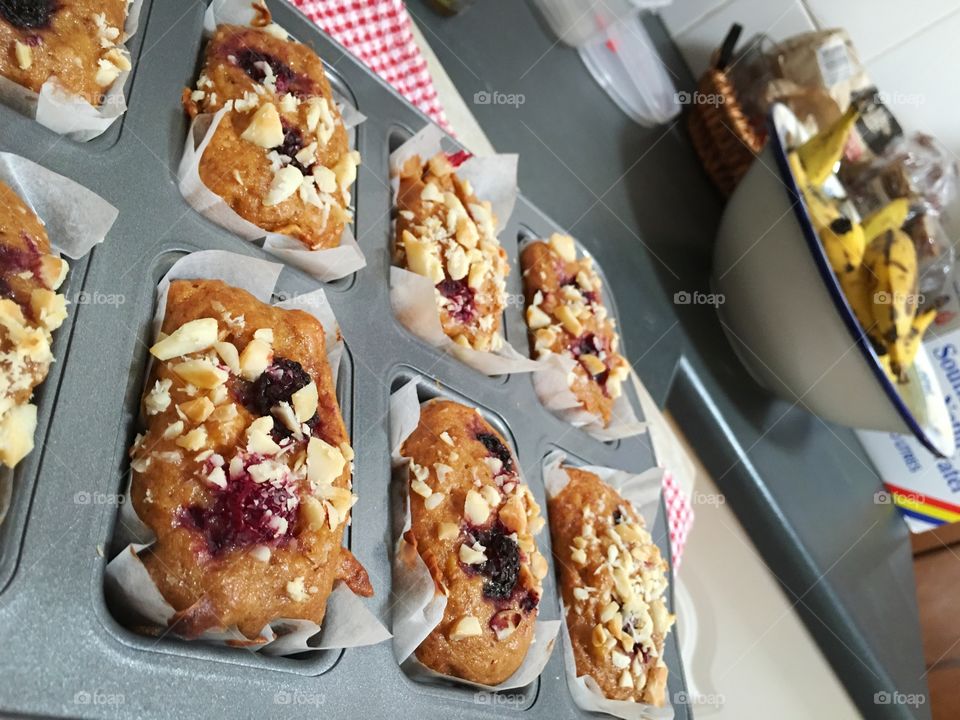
<point>63,650</point>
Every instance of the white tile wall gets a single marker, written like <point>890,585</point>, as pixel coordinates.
<point>910,48</point>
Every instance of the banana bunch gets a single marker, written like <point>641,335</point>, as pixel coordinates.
<point>875,262</point>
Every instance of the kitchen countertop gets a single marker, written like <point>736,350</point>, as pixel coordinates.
<point>637,197</point>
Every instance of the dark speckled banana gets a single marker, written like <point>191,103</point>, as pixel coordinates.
<point>857,289</point>
<point>904,351</point>
<point>842,240</point>
<point>844,243</point>
<point>891,258</point>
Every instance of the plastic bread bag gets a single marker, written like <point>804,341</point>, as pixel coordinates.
<point>76,219</point>
<point>348,622</point>
<point>72,115</point>
<point>413,296</point>
<point>642,491</point>
<point>418,607</point>
<point>325,263</point>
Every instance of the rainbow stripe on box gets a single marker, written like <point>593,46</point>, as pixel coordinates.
<point>923,507</point>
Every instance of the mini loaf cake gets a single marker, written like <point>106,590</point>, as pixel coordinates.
<point>448,235</point>
<point>612,580</point>
<point>243,471</point>
<point>566,316</point>
<point>280,156</point>
<point>79,42</point>
<point>30,310</point>
<point>473,523</point>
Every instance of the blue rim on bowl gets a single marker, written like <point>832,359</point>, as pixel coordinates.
<point>945,447</point>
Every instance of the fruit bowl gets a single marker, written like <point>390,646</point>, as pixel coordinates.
<point>787,318</point>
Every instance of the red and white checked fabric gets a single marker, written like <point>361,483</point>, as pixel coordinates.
<point>379,33</point>
<point>679,516</point>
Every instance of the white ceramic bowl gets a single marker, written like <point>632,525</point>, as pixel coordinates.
<point>788,321</point>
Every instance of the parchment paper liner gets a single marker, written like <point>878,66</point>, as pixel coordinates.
<point>348,622</point>
<point>71,115</point>
<point>418,608</point>
<point>643,492</point>
<point>413,296</point>
<point>324,264</point>
<point>75,218</point>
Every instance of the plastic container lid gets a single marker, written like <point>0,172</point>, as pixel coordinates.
<point>574,22</point>
<point>624,61</point>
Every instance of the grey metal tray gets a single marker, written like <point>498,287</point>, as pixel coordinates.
<point>63,651</point>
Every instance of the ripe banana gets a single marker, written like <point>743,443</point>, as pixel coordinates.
<point>891,258</point>
<point>857,288</point>
<point>821,153</point>
<point>891,216</point>
<point>904,351</point>
<point>844,243</point>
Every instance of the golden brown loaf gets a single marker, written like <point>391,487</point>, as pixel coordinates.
<point>280,156</point>
<point>30,310</point>
<point>473,523</point>
<point>243,471</point>
<point>612,580</point>
<point>566,316</point>
<point>445,233</point>
<point>79,42</point>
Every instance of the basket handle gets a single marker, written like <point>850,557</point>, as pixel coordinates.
<point>725,52</point>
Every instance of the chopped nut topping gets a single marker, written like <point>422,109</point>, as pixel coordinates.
<point>475,508</point>
<point>193,336</point>
<point>200,373</point>
<point>564,247</point>
<point>466,627</point>
<point>448,531</point>
<point>475,555</point>
<point>23,54</point>
<point>296,590</point>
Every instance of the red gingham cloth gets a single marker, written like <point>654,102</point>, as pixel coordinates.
<point>679,516</point>
<point>379,33</point>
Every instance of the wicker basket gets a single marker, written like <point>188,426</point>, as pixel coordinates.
<point>723,137</point>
